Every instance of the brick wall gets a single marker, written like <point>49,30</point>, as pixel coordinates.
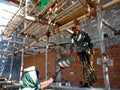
<point>74,73</point>
<point>39,62</point>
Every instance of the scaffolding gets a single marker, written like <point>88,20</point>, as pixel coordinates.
<point>39,22</point>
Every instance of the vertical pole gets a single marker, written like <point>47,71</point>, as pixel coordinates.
<point>102,46</point>
<point>11,65</point>
<point>47,46</point>
<point>22,57</point>
<point>46,66</point>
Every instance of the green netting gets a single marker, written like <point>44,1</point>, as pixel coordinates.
<point>55,15</point>
<point>43,4</point>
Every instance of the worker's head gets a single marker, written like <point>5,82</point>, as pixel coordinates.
<point>75,29</point>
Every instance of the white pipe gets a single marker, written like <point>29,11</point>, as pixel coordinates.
<point>46,64</point>
<point>102,46</point>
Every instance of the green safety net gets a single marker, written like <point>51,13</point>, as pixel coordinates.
<point>55,15</point>
<point>43,4</point>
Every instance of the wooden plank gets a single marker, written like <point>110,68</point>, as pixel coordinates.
<point>67,10</point>
<point>77,13</point>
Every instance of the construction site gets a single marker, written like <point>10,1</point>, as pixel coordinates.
<point>37,36</point>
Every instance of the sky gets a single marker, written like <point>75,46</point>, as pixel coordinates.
<point>7,11</point>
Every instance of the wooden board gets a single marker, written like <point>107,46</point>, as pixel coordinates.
<point>77,13</point>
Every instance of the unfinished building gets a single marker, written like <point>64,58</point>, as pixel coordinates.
<point>39,34</point>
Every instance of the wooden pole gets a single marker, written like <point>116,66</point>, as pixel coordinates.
<point>109,4</point>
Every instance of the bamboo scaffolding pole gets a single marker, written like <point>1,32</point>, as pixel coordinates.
<point>13,22</point>
<point>15,28</point>
<point>109,26</point>
<point>24,43</point>
<point>5,31</point>
<point>42,29</point>
<point>17,42</point>
<point>12,30</point>
<point>62,2</point>
<point>30,30</point>
<point>61,29</point>
<point>28,24</point>
<point>12,59</point>
<point>28,36</point>
<point>32,44</point>
<point>26,27</point>
<point>82,2</point>
<point>12,19</point>
<point>110,4</point>
<point>68,9</point>
<point>38,30</point>
<point>22,50</point>
<point>35,7</point>
<point>39,21</point>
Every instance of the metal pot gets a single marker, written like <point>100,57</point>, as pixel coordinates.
<point>65,61</point>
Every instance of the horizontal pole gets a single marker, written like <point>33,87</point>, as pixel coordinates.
<point>109,4</point>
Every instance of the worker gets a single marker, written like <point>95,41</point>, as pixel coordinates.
<point>30,80</point>
<point>85,51</point>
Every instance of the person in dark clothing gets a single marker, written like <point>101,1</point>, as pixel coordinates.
<point>82,42</point>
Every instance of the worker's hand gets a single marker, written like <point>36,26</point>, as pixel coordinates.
<point>58,70</point>
<point>92,51</point>
<point>61,68</point>
<point>56,73</point>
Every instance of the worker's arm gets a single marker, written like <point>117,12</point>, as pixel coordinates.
<point>50,80</point>
<point>46,83</point>
<point>71,44</point>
